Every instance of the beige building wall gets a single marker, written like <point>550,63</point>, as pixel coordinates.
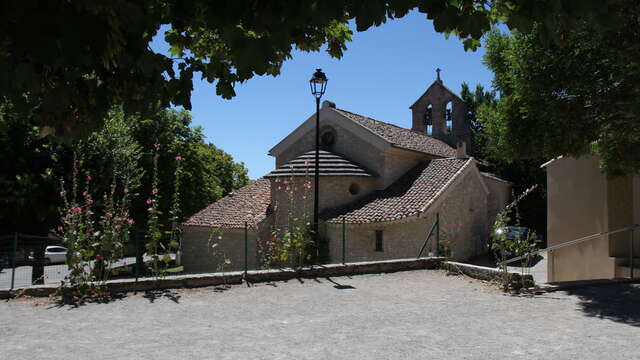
<point>198,255</point>
<point>576,207</point>
<point>463,227</point>
<point>499,197</point>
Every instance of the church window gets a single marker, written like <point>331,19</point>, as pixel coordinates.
<point>379,240</point>
<point>354,189</point>
<point>428,119</point>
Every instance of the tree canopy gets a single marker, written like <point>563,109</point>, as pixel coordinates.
<point>123,149</point>
<point>576,98</point>
<point>66,63</point>
<point>522,173</point>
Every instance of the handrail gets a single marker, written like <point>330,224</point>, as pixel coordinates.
<point>436,224</point>
<point>576,241</point>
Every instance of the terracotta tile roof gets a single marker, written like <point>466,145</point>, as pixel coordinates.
<point>401,137</point>
<point>410,195</point>
<point>249,203</point>
<point>330,165</point>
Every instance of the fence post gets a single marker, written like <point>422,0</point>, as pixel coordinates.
<point>437,252</point>
<point>631,256</point>
<point>246,251</point>
<point>13,260</point>
<point>344,241</point>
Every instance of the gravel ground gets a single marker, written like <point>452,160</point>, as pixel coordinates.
<point>407,315</point>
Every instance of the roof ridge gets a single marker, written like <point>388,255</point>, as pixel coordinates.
<point>380,121</point>
<point>390,124</point>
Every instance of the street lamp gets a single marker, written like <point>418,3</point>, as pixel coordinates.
<point>318,84</point>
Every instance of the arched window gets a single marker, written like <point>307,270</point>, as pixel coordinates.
<point>428,119</point>
<point>327,137</point>
<point>448,118</point>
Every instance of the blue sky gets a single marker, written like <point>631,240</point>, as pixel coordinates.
<point>384,70</point>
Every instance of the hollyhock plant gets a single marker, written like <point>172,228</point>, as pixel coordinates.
<point>154,234</point>
<point>91,236</point>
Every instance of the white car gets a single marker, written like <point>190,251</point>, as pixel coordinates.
<point>55,254</point>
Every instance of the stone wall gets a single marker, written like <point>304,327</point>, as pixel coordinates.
<point>334,192</point>
<point>197,252</point>
<point>463,227</point>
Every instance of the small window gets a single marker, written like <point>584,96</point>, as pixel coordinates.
<point>379,241</point>
<point>354,189</point>
<point>328,138</point>
<point>429,129</point>
<point>448,118</point>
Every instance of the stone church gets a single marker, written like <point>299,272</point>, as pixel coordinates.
<point>380,184</point>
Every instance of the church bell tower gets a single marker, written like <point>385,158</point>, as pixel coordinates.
<point>442,114</point>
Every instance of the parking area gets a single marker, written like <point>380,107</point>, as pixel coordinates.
<point>53,274</point>
<point>406,315</point>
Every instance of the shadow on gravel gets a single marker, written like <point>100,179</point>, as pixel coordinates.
<point>75,302</point>
<point>338,285</point>
<point>153,295</point>
<point>613,302</point>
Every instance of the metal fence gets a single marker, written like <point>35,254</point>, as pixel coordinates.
<point>27,260</point>
<point>31,260</point>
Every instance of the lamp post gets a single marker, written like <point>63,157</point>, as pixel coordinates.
<point>318,85</point>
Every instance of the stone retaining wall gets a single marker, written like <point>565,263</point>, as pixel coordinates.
<point>484,273</point>
<point>253,276</point>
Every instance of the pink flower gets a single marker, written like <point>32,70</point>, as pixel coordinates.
<point>157,146</point>
<point>154,191</point>
<point>98,256</point>
<point>75,171</point>
<point>272,239</point>
<point>125,190</point>
<point>89,178</point>
<point>178,158</point>
<point>77,209</point>
<point>117,227</point>
<point>59,228</point>
<point>174,224</point>
<point>129,221</point>
<point>149,201</point>
<point>90,201</point>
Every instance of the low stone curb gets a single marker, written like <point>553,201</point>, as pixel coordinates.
<point>253,276</point>
<point>484,273</point>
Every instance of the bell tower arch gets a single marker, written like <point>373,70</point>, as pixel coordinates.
<point>441,113</point>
